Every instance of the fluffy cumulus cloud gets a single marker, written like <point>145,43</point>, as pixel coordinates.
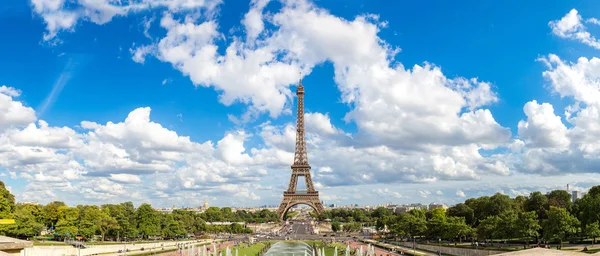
<point>542,128</point>
<point>13,112</point>
<point>259,68</point>
<point>63,15</point>
<point>109,162</point>
<point>547,144</point>
<point>572,26</point>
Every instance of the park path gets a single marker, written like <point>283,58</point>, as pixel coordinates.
<point>383,252</point>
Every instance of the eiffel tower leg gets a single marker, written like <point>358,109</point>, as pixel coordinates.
<point>309,184</point>
<point>281,209</point>
<point>293,183</point>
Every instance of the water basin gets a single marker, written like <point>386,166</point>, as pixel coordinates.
<point>290,249</point>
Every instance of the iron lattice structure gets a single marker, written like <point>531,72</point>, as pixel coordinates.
<point>300,168</point>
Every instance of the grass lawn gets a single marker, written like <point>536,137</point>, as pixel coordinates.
<point>590,251</point>
<point>48,243</point>
<point>245,250</point>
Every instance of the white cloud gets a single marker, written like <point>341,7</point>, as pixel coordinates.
<point>319,123</point>
<point>550,147</point>
<point>125,178</point>
<point>424,193</point>
<point>259,70</point>
<point>414,124</point>
<point>577,80</point>
<point>439,193</point>
<point>542,128</point>
<point>386,193</point>
<point>61,15</point>
<point>13,113</point>
<point>253,19</point>
<point>9,91</point>
<point>570,26</point>
<point>460,193</point>
<point>305,36</point>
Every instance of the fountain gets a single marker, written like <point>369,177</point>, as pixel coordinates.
<point>290,249</point>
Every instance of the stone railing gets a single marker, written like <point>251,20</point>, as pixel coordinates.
<point>449,250</point>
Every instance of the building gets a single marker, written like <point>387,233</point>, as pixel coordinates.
<point>576,195</point>
<point>205,204</point>
<point>30,203</point>
<point>410,207</point>
<point>433,206</point>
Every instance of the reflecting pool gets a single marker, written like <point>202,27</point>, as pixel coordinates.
<point>289,249</point>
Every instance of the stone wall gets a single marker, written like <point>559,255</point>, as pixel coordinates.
<point>450,250</point>
<point>97,249</point>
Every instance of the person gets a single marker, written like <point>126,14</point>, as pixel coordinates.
<point>585,249</point>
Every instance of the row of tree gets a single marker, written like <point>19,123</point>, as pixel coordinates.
<point>118,221</point>
<point>550,217</point>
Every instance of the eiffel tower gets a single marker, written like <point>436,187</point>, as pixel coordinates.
<point>300,168</point>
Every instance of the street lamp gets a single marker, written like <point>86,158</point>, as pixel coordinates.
<point>439,246</point>
<point>125,245</point>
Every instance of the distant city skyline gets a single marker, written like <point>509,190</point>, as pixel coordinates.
<point>181,102</point>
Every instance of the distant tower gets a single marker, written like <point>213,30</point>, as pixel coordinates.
<point>205,204</point>
<point>568,188</point>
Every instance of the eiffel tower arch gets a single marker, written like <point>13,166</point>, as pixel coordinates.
<point>300,169</point>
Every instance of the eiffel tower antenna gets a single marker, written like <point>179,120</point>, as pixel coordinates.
<point>300,168</point>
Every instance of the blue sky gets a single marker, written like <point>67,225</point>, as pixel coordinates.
<point>177,102</point>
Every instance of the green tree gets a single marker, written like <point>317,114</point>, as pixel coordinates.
<point>593,231</point>
<point>537,202</point>
<point>507,227</point>
<point>481,208</point>
<point>335,226</point>
<point>213,214</point>
<point>104,222</point>
<point>411,225</point>
<point>52,212</point>
<point>7,202</point>
<point>560,225</point>
<point>456,227</point>
<point>559,198</point>
<point>436,220</point>
<point>27,221</point>
<point>381,212</point>
<point>169,226</point>
<point>594,191</point>
<point>236,228</point>
<point>489,228</point>
<point>147,220</point>
<point>528,225</point>
<point>589,207</point>
<point>88,215</point>
<point>462,210</point>
<point>520,202</point>
<point>129,229</point>
<point>67,222</point>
